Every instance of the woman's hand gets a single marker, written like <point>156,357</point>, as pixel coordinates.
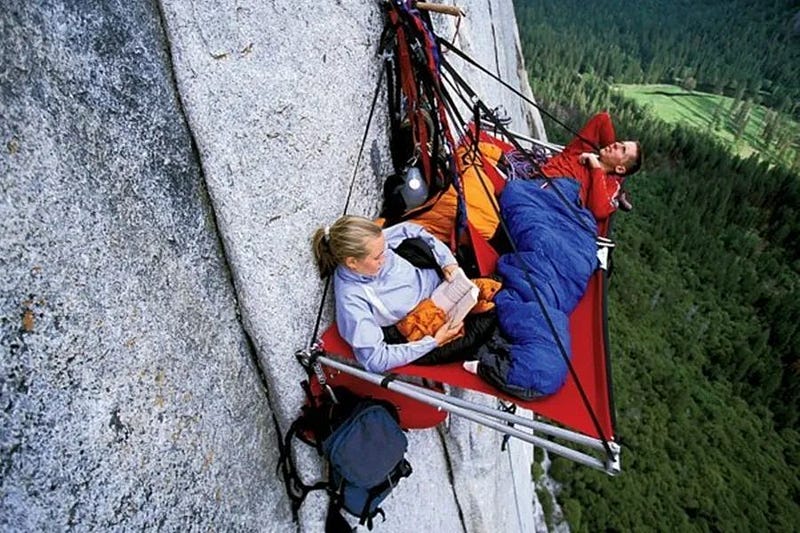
<point>448,332</point>
<point>449,271</point>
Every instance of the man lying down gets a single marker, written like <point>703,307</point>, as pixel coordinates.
<point>556,254</point>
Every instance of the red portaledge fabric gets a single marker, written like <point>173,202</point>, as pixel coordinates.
<point>485,255</point>
<point>587,326</point>
<point>566,407</point>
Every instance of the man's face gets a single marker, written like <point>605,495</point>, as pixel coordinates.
<point>619,155</point>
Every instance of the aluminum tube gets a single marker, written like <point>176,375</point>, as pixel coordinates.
<point>399,387</point>
<point>547,429</point>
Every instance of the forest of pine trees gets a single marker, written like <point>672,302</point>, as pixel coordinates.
<point>704,309</point>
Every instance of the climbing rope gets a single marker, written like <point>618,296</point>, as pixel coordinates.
<point>315,335</point>
<point>584,397</point>
<point>514,484</point>
<point>505,84</point>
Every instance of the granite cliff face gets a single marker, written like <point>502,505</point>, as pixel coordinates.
<point>162,167</point>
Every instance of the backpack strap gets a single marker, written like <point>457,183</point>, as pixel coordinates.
<point>296,490</point>
<point>312,419</point>
<point>403,469</point>
<point>417,252</point>
<point>334,521</point>
<point>369,523</point>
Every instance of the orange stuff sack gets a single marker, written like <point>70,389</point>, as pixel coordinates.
<point>481,208</point>
<point>423,320</point>
<point>488,287</point>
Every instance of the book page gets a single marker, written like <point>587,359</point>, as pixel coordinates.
<point>462,308</point>
<point>456,297</point>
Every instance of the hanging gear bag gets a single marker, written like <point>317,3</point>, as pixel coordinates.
<point>364,447</point>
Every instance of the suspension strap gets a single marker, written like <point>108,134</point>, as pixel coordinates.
<point>364,139</point>
<point>315,335</point>
<point>573,373</point>
<point>489,113</point>
<point>483,69</point>
<point>528,277</point>
<point>510,408</point>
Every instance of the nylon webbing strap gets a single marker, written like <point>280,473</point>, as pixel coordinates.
<point>429,77</point>
<point>321,309</point>
<point>510,408</point>
<point>414,49</point>
<point>505,84</point>
<point>478,102</point>
<point>528,277</point>
<point>573,373</point>
<point>388,379</point>
<point>296,490</point>
<point>532,284</point>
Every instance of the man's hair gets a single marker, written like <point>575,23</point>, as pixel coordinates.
<point>637,163</point>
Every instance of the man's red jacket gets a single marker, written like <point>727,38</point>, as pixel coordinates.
<point>599,189</point>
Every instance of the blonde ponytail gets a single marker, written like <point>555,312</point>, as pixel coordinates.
<point>347,237</point>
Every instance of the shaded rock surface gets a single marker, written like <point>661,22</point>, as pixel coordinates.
<point>163,167</point>
<point>128,389</point>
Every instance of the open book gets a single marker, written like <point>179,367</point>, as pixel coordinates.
<point>456,297</point>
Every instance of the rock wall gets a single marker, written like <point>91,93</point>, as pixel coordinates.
<point>163,165</point>
<point>130,397</point>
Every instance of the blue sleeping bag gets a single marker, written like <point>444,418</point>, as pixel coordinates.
<point>556,255</point>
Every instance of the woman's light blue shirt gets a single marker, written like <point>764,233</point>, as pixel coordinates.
<point>364,304</point>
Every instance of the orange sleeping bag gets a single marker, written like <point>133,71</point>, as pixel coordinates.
<point>481,207</point>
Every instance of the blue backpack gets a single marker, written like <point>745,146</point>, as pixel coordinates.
<point>364,447</point>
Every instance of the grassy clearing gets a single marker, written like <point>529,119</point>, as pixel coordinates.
<point>676,105</point>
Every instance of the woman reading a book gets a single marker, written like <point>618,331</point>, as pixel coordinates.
<point>376,288</point>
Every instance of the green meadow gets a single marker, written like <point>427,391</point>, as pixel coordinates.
<point>673,104</point>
